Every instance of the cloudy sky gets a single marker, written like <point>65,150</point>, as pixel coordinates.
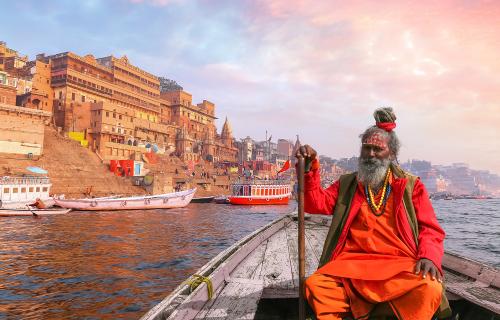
<point>313,68</point>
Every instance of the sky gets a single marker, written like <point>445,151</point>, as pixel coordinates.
<point>317,69</point>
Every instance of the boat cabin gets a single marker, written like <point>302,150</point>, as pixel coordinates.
<point>265,188</point>
<point>22,190</point>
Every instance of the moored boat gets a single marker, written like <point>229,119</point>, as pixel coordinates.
<point>17,192</point>
<point>260,192</point>
<point>257,278</point>
<point>203,199</point>
<point>32,212</point>
<point>222,199</point>
<point>160,201</point>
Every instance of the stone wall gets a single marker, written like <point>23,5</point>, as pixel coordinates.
<point>22,130</point>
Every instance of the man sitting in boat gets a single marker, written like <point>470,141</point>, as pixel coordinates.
<point>385,244</point>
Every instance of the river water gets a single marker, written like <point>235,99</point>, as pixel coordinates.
<point>111,265</point>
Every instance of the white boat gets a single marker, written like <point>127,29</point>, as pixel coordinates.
<point>17,192</point>
<point>34,212</point>
<point>257,278</point>
<point>159,201</point>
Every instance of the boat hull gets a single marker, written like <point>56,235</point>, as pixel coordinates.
<point>163,201</point>
<point>203,199</point>
<point>32,212</point>
<point>231,286</point>
<point>253,201</point>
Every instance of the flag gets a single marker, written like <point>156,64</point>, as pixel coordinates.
<point>285,167</point>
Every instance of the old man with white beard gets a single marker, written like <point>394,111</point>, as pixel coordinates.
<point>384,245</point>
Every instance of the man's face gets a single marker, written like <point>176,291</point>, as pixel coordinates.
<point>375,147</point>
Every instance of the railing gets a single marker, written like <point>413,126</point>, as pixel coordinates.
<point>254,181</point>
<point>24,180</point>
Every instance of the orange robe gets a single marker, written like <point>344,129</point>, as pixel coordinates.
<point>374,266</point>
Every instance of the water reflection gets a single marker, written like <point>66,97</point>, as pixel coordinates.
<point>112,265</point>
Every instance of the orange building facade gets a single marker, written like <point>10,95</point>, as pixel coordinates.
<point>197,138</point>
<point>114,107</point>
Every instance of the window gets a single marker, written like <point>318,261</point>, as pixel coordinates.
<point>120,116</point>
<point>15,190</point>
<point>107,114</point>
<point>23,190</point>
<point>60,94</point>
<point>114,115</point>
<point>37,189</point>
<point>6,190</point>
<point>83,98</point>
<point>45,189</point>
<point>73,96</point>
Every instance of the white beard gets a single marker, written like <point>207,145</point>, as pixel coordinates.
<point>371,172</point>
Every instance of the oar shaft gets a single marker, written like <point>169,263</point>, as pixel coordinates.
<point>301,237</point>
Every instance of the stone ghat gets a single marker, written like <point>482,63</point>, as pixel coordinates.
<point>76,171</point>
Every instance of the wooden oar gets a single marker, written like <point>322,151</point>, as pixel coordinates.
<point>33,212</point>
<point>301,237</point>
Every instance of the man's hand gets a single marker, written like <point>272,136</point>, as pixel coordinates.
<point>425,266</point>
<point>306,152</point>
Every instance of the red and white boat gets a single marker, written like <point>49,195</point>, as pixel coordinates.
<point>261,192</point>
<point>160,201</point>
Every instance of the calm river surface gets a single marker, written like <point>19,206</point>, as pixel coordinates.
<point>113,265</point>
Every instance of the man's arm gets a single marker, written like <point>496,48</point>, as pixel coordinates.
<point>431,235</point>
<point>317,199</point>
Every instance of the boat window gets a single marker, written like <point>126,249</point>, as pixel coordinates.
<point>31,189</point>
<point>23,190</point>
<point>15,190</point>
<point>6,190</point>
<point>37,189</point>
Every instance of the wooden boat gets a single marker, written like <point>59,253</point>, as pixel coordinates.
<point>221,199</point>
<point>160,201</point>
<point>257,278</point>
<point>260,192</point>
<point>32,212</point>
<point>203,199</point>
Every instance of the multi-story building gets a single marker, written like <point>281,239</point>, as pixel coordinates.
<point>7,90</point>
<point>134,88</point>
<point>10,58</point>
<point>77,79</point>
<point>38,94</point>
<point>197,137</point>
<point>285,147</point>
<point>246,149</point>
<point>198,119</point>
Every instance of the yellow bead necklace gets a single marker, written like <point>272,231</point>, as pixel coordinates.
<point>386,190</point>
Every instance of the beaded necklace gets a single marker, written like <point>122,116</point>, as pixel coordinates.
<point>378,209</point>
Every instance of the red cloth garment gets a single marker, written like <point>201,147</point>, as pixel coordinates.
<point>430,238</point>
<point>374,259</point>
<point>375,266</point>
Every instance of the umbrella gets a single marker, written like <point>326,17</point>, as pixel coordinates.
<point>36,170</point>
